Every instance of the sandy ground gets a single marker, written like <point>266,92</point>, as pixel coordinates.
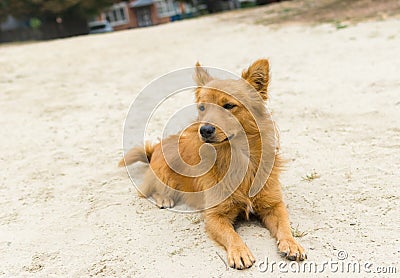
<point>337,12</point>
<point>66,209</point>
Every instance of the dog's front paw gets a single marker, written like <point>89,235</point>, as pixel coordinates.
<point>291,250</point>
<point>163,201</point>
<point>240,257</point>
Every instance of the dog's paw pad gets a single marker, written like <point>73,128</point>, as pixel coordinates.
<point>240,257</point>
<point>164,202</point>
<point>291,250</point>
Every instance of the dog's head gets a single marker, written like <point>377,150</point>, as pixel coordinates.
<point>227,108</point>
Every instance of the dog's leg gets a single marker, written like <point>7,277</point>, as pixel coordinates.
<point>153,187</point>
<point>163,201</point>
<point>276,219</point>
<point>219,227</point>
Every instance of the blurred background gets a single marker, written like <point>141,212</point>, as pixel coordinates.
<point>45,19</point>
<point>49,19</point>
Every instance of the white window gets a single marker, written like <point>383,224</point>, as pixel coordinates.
<point>166,8</point>
<point>118,14</point>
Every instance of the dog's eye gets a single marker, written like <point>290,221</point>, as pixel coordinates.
<point>201,107</point>
<point>229,106</point>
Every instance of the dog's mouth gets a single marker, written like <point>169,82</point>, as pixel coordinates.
<point>214,142</point>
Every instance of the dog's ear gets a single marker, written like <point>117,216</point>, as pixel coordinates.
<point>258,77</point>
<point>201,76</point>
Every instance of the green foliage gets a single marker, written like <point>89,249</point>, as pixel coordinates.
<point>35,23</point>
<point>312,176</point>
<point>52,8</point>
<point>340,25</point>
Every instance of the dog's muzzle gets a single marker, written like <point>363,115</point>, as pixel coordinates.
<point>207,131</point>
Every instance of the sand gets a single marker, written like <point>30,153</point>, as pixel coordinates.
<point>66,209</point>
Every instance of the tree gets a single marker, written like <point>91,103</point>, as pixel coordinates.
<point>45,9</point>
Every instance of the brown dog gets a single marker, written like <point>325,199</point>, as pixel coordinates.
<point>236,136</point>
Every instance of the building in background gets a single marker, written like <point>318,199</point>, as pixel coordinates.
<point>142,13</point>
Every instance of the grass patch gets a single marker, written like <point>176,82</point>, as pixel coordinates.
<point>176,252</point>
<point>311,176</point>
<point>193,219</point>
<point>340,25</point>
<point>297,233</point>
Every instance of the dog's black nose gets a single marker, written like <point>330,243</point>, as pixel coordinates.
<point>207,131</point>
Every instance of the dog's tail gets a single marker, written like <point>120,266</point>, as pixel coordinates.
<point>136,154</point>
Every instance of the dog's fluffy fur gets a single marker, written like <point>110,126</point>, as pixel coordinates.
<point>244,139</point>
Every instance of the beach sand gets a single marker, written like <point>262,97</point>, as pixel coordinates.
<point>66,209</point>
